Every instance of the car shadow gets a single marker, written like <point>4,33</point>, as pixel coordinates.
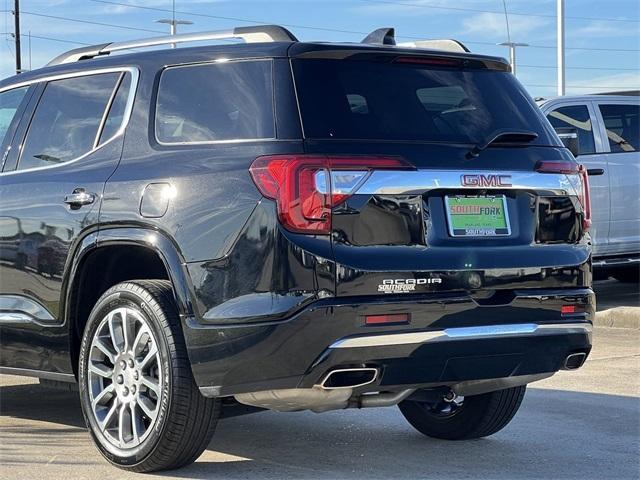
<point>557,434</point>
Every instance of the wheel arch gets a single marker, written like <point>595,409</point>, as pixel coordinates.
<point>149,247</point>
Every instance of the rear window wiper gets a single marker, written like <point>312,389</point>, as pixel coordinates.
<point>506,136</point>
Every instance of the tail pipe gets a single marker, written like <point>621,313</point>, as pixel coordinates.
<point>349,378</point>
<point>575,360</point>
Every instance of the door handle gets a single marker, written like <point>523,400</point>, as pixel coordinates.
<point>79,197</point>
<point>594,172</point>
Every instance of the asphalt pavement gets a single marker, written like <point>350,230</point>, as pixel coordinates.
<point>576,425</point>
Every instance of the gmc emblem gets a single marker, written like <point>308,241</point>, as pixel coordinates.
<point>485,180</point>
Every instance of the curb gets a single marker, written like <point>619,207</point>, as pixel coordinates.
<point>618,317</point>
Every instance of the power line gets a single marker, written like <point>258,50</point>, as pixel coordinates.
<point>40,37</point>
<point>335,30</point>
<point>495,12</point>
<point>589,87</point>
<point>235,19</point>
<point>112,25</point>
<point>582,68</point>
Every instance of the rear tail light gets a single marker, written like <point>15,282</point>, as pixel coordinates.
<point>571,309</point>
<point>307,187</point>
<point>557,166</point>
<point>585,197</point>
<point>572,168</point>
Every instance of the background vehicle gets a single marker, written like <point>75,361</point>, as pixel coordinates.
<point>608,134</point>
<point>290,226</point>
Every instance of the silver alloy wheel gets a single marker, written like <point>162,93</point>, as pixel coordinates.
<point>124,378</point>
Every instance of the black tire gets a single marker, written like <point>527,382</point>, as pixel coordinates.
<point>184,420</point>
<point>477,416</point>
<point>627,275</point>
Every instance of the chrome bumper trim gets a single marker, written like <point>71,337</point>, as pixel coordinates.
<point>464,333</point>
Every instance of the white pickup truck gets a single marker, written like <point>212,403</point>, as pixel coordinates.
<point>604,131</point>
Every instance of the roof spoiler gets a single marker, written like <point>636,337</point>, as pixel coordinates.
<point>381,36</point>
<point>387,36</point>
<point>443,44</point>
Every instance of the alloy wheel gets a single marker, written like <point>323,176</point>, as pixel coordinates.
<point>124,378</point>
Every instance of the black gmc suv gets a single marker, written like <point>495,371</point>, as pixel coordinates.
<point>197,232</point>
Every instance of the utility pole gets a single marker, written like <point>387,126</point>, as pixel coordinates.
<point>512,52</point>
<point>512,45</point>
<point>561,76</point>
<point>16,16</point>
<point>172,22</point>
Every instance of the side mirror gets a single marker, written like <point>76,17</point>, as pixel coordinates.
<point>569,137</point>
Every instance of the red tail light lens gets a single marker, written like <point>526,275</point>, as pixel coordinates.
<point>307,187</point>
<point>585,197</point>
<point>434,61</point>
<point>393,318</point>
<point>572,168</point>
<point>557,166</point>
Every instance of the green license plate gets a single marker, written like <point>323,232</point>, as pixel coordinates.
<point>477,216</point>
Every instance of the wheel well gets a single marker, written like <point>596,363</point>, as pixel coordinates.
<point>100,270</point>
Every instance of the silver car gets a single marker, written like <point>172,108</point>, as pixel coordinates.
<point>604,130</point>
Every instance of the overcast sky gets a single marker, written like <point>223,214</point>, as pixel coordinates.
<point>602,36</point>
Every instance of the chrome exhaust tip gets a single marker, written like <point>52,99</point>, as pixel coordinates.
<point>575,360</point>
<point>349,378</point>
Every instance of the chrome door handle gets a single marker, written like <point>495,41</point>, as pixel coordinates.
<point>79,197</point>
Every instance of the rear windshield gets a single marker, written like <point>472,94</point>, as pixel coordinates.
<point>351,99</point>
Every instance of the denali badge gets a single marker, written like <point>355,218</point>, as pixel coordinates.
<point>404,285</point>
<point>485,180</point>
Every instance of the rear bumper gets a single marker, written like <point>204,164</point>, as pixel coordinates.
<point>451,339</point>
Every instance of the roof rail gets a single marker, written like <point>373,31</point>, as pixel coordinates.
<point>257,34</point>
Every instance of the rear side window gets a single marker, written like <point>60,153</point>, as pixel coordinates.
<point>576,117</point>
<point>66,121</point>
<point>215,102</point>
<point>9,103</point>
<point>117,109</point>
<point>623,127</point>
<point>376,100</point>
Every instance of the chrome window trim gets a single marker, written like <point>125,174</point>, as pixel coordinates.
<point>399,182</point>
<point>215,142</point>
<point>135,75</point>
<point>107,109</point>
<point>464,333</point>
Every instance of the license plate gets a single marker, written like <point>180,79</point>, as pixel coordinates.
<point>477,216</point>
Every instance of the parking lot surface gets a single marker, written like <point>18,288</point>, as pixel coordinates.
<point>583,425</point>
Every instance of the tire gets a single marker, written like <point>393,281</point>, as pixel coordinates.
<point>149,413</point>
<point>477,416</point>
<point>627,275</point>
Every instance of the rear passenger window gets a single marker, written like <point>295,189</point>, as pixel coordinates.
<point>577,117</point>
<point>623,127</point>
<point>66,121</point>
<point>215,102</point>
<point>9,103</point>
